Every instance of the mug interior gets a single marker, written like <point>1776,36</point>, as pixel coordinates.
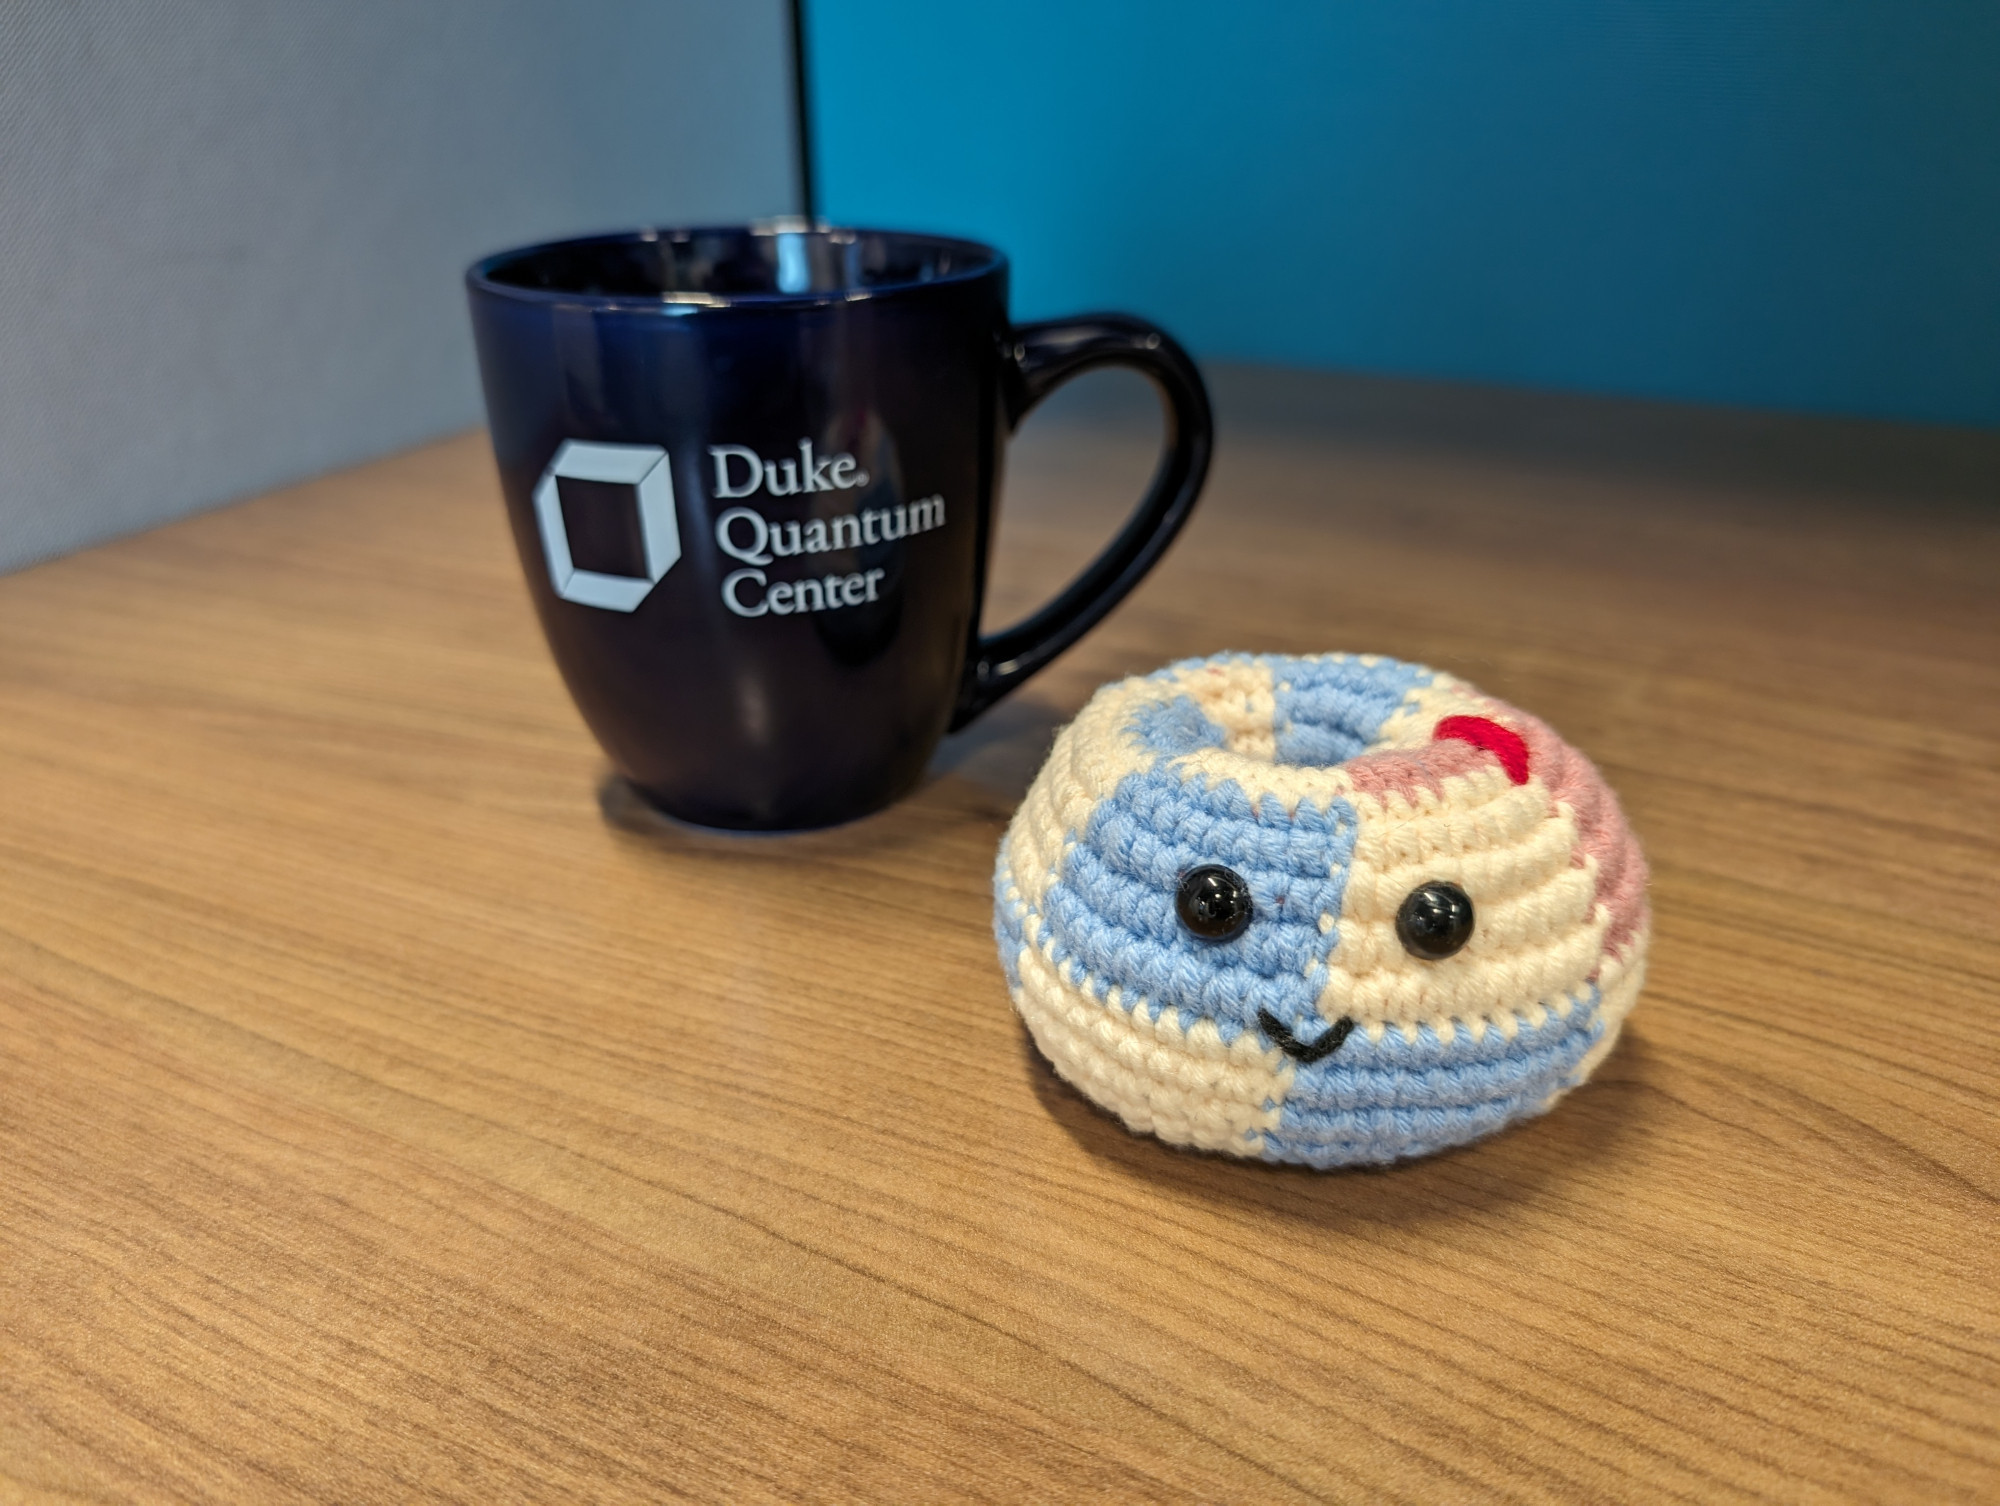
<point>734,263</point>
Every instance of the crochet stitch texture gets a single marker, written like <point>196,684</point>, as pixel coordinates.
<point>1333,785</point>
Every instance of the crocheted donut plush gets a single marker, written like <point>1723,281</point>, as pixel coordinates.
<point>1327,910</point>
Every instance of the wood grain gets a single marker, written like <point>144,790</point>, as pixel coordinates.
<point>390,1108</point>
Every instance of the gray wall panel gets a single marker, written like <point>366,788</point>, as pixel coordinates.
<point>231,233</point>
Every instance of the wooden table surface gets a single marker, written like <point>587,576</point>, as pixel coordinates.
<point>390,1108</point>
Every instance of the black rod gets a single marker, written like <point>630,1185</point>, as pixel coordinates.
<point>802,112</point>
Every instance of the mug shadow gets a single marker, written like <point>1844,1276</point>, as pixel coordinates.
<point>1585,1130</point>
<point>978,775</point>
<point>1003,750</point>
<point>886,831</point>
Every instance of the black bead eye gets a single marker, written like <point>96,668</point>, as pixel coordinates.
<point>1435,921</point>
<point>1213,902</point>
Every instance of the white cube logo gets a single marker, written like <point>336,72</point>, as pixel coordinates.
<point>643,467</point>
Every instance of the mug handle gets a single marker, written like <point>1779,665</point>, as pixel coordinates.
<point>1038,359</point>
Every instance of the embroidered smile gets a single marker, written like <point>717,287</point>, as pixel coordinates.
<point>1305,1052</point>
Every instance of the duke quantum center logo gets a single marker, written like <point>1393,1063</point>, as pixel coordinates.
<point>743,533</point>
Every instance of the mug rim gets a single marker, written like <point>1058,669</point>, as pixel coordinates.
<point>479,276</point>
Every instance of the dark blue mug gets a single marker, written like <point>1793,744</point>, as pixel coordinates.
<point>751,475</point>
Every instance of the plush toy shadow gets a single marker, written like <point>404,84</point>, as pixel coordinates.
<point>1326,910</point>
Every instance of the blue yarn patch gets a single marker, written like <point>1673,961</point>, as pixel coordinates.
<point>1377,1101</point>
<point>1330,710</point>
<point>1112,908</point>
<point>1008,920</point>
<point>1176,726</point>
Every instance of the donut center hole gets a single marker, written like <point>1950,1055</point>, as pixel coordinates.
<point>1323,716</point>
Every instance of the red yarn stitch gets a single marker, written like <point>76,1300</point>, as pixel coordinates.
<point>1482,732</point>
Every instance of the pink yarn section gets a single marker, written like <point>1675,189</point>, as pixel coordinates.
<point>1405,771</point>
<point>1569,777</point>
<point>1573,780</point>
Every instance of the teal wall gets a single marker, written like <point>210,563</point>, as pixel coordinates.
<point>1778,203</point>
